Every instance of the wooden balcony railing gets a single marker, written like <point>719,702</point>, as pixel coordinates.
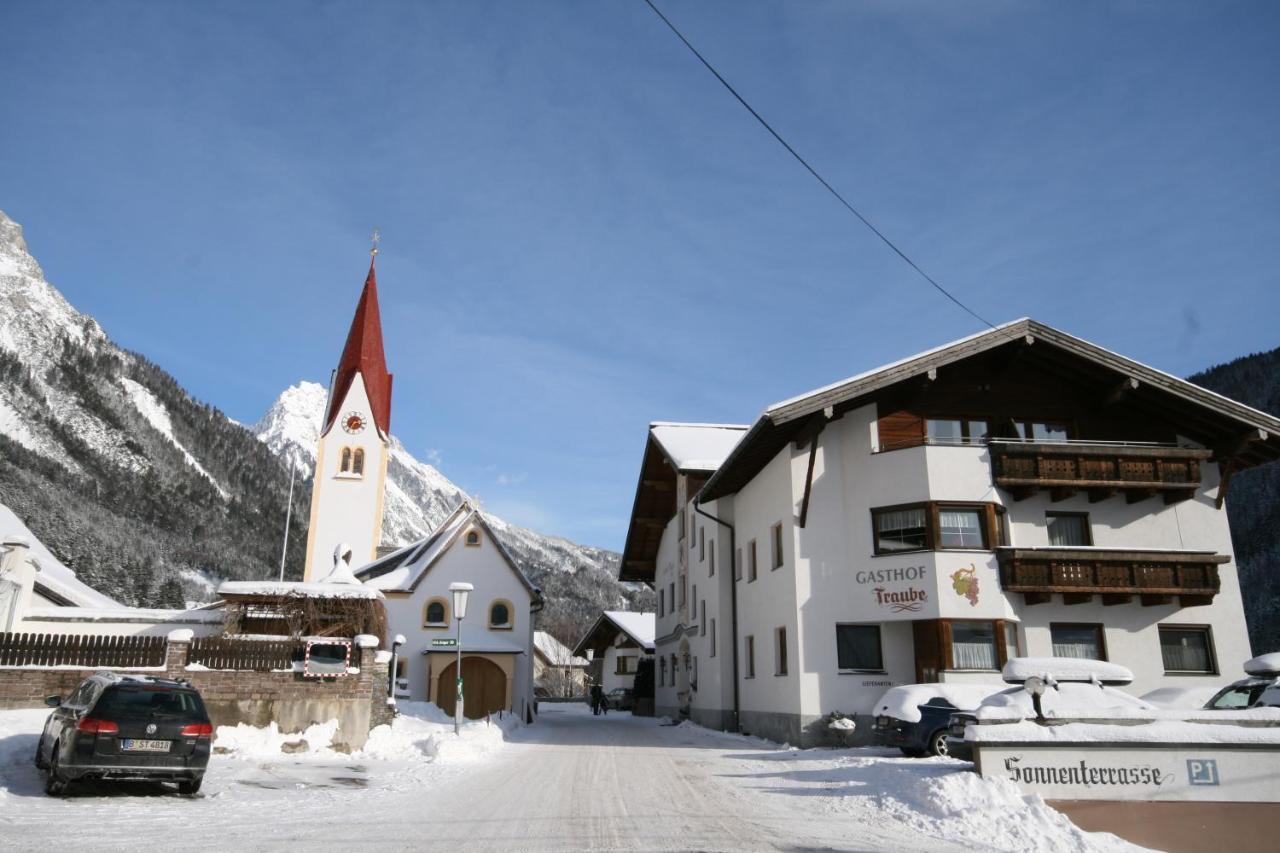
<point>1100,469</point>
<point>1078,574</point>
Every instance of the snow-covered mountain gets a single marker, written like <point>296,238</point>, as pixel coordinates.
<point>142,491</point>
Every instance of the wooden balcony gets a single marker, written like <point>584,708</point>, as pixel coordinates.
<point>1157,577</point>
<point>1101,469</point>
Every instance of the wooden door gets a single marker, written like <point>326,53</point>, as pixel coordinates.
<point>484,688</point>
<point>929,651</point>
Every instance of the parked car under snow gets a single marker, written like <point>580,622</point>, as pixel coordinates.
<point>915,717</point>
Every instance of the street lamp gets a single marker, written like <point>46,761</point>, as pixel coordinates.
<point>460,591</point>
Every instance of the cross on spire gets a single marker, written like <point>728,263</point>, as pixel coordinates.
<point>375,238</point>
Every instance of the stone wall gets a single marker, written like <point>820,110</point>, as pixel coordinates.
<point>292,701</point>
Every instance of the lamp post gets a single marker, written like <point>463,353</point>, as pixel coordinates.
<point>459,591</point>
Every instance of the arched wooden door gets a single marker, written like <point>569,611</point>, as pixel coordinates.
<point>484,688</point>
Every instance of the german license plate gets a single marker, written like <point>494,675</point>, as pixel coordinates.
<point>131,745</point>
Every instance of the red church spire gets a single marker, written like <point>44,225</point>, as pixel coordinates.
<point>363,354</point>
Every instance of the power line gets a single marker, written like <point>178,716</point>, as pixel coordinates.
<point>813,171</point>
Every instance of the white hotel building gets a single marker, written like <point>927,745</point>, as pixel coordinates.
<point>1018,492</point>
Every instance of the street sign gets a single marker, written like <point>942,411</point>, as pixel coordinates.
<point>448,643</point>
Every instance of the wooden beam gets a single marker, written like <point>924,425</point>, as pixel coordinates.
<point>1112,598</point>
<point>651,522</point>
<point>808,477</point>
<point>1077,597</point>
<point>1021,493</point>
<point>1061,493</point>
<point>1030,598</point>
<point>1149,600</point>
<point>1134,496</point>
<point>1096,495</point>
<point>1231,447</point>
<point>658,485</point>
<point>1195,600</point>
<point>1120,391</point>
<point>1173,497</point>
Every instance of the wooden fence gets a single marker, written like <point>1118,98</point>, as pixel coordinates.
<point>80,650</point>
<point>250,655</point>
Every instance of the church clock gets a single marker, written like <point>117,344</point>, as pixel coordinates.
<point>353,423</point>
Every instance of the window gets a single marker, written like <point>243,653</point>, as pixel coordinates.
<point>661,602</point>
<point>1078,641</point>
<point>345,465</point>
<point>1012,648</point>
<point>737,566</point>
<point>1187,648</point>
<point>712,641</point>
<point>1002,527</point>
<point>702,618</point>
<point>780,651</point>
<point>973,645</point>
<point>956,430</point>
<point>693,536</point>
<point>702,544</point>
<point>500,615</point>
<point>662,671</point>
<point>693,673</point>
<point>1042,430</point>
<point>622,666</point>
<point>900,529</point>
<point>961,527</point>
<point>749,664</point>
<point>357,461</point>
<point>858,648</point>
<point>671,596</point>
<point>751,561</point>
<point>1068,529</point>
<point>473,538</point>
<point>711,558</point>
<point>684,591</point>
<point>436,614</point>
<point>682,523</point>
<point>694,603</point>
<point>776,550</point>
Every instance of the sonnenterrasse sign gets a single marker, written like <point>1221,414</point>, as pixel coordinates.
<point>1118,771</point>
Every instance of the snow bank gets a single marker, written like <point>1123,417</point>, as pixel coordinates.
<point>1018,670</point>
<point>1163,731</point>
<point>252,743</point>
<point>422,729</point>
<point>903,703</point>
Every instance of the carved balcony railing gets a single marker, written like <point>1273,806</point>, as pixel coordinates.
<point>1078,574</point>
<point>1099,468</point>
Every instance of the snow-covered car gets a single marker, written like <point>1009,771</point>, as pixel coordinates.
<point>1053,689</point>
<point>126,727</point>
<point>915,717</point>
<point>621,698</point>
<point>1261,689</point>
<point>1182,698</point>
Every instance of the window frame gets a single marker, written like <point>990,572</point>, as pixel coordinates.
<point>702,544</point>
<point>702,618</point>
<point>467,537</point>
<point>879,629</point>
<point>737,566</point>
<point>711,558</point>
<point>1098,628</point>
<point>753,571</point>
<point>993,525</point>
<point>661,603</point>
<point>711,640</point>
<point>1083,516</point>
<point>620,664</point>
<point>1210,648</point>
<point>510,624</point>
<point>775,547</point>
<point>436,626</point>
<point>357,462</point>
<point>749,656</point>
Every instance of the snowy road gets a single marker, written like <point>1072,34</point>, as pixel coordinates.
<point>570,782</point>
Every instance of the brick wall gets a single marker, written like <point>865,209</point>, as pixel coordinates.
<point>289,699</point>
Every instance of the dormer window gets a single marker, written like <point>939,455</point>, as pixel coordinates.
<point>500,615</point>
<point>473,539</point>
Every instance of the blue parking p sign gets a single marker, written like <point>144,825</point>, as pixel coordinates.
<point>1202,771</point>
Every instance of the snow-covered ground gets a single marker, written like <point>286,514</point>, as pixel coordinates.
<point>569,782</point>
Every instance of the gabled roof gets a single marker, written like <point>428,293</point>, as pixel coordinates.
<point>694,450</point>
<point>555,652</point>
<point>638,627</point>
<point>403,570</point>
<point>363,354</point>
<point>1209,418</point>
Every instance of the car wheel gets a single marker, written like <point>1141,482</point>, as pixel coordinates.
<point>187,787</point>
<point>938,744</point>
<point>55,785</point>
<point>40,762</point>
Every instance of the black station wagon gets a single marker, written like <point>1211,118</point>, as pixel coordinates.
<point>126,727</point>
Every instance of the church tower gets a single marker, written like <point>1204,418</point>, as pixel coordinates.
<point>351,461</point>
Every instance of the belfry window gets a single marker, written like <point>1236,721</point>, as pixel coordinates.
<point>345,466</point>
<point>357,461</point>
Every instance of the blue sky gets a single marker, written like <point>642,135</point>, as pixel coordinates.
<point>582,232</point>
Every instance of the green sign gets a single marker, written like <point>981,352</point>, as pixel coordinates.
<point>444,642</point>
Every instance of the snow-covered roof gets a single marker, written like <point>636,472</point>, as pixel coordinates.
<point>555,651</point>
<point>641,627</point>
<point>403,570</point>
<point>124,614</point>
<point>53,575</point>
<point>312,589</point>
<point>696,447</point>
